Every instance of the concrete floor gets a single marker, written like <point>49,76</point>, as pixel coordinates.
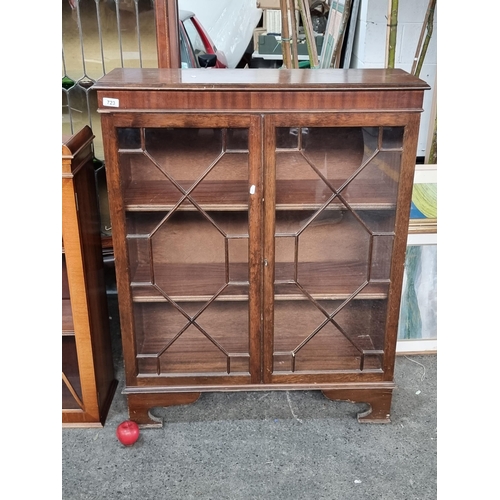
<point>264,445</point>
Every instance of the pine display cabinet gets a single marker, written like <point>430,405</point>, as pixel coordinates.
<point>259,221</point>
<point>88,382</point>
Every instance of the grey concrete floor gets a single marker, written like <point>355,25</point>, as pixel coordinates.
<point>264,445</point>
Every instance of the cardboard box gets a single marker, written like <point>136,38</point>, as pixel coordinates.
<point>268,4</point>
<point>256,33</point>
<point>272,21</point>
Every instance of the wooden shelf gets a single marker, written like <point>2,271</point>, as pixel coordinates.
<point>68,327</point>
<point>192,282</point>
<point>305,195</point>
<point>210,195</point>
<point>233,196</point>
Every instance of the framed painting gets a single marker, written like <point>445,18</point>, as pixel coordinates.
<point>417,331</point>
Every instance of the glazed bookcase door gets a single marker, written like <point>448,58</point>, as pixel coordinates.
<point>190,187</point>
<point>331,196</point>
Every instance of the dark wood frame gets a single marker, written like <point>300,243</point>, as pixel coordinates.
<point>167,33</point>
<point>271,98</point>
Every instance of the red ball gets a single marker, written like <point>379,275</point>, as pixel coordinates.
<point>127,432</point>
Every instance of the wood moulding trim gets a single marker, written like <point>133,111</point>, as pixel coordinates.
<point>256,387</point>
<point>254,111</point>
<point>422,226</point>
<point>74,160</point>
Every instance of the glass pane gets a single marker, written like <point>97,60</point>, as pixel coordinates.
<point>186,200</point>
<point>195,38</point>
<point>328,335</point>
<point>191,338</point>
<point>153,164</point>
<point>70,371</point>
<point>335,214</point>
<point>96,38</point>
<point>67,313</point>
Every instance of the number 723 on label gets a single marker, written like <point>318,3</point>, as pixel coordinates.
<point>108,101</point>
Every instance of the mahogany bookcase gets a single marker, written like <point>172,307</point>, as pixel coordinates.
<point>259,220</point>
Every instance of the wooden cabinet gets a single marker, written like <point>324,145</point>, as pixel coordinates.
<point>88,382</point>
<point>259,224</point>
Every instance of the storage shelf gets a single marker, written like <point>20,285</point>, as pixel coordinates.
<point>67,317</point>
<point>234,195</point>
<point>242,298</point>
<point>192,282</point>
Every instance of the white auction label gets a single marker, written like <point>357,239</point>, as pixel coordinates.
<point>108,101</point>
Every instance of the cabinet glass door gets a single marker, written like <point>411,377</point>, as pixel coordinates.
<point>330,242</point>
<point>191,218</point>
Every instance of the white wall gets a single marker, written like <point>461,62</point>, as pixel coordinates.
<point>369,50</point>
